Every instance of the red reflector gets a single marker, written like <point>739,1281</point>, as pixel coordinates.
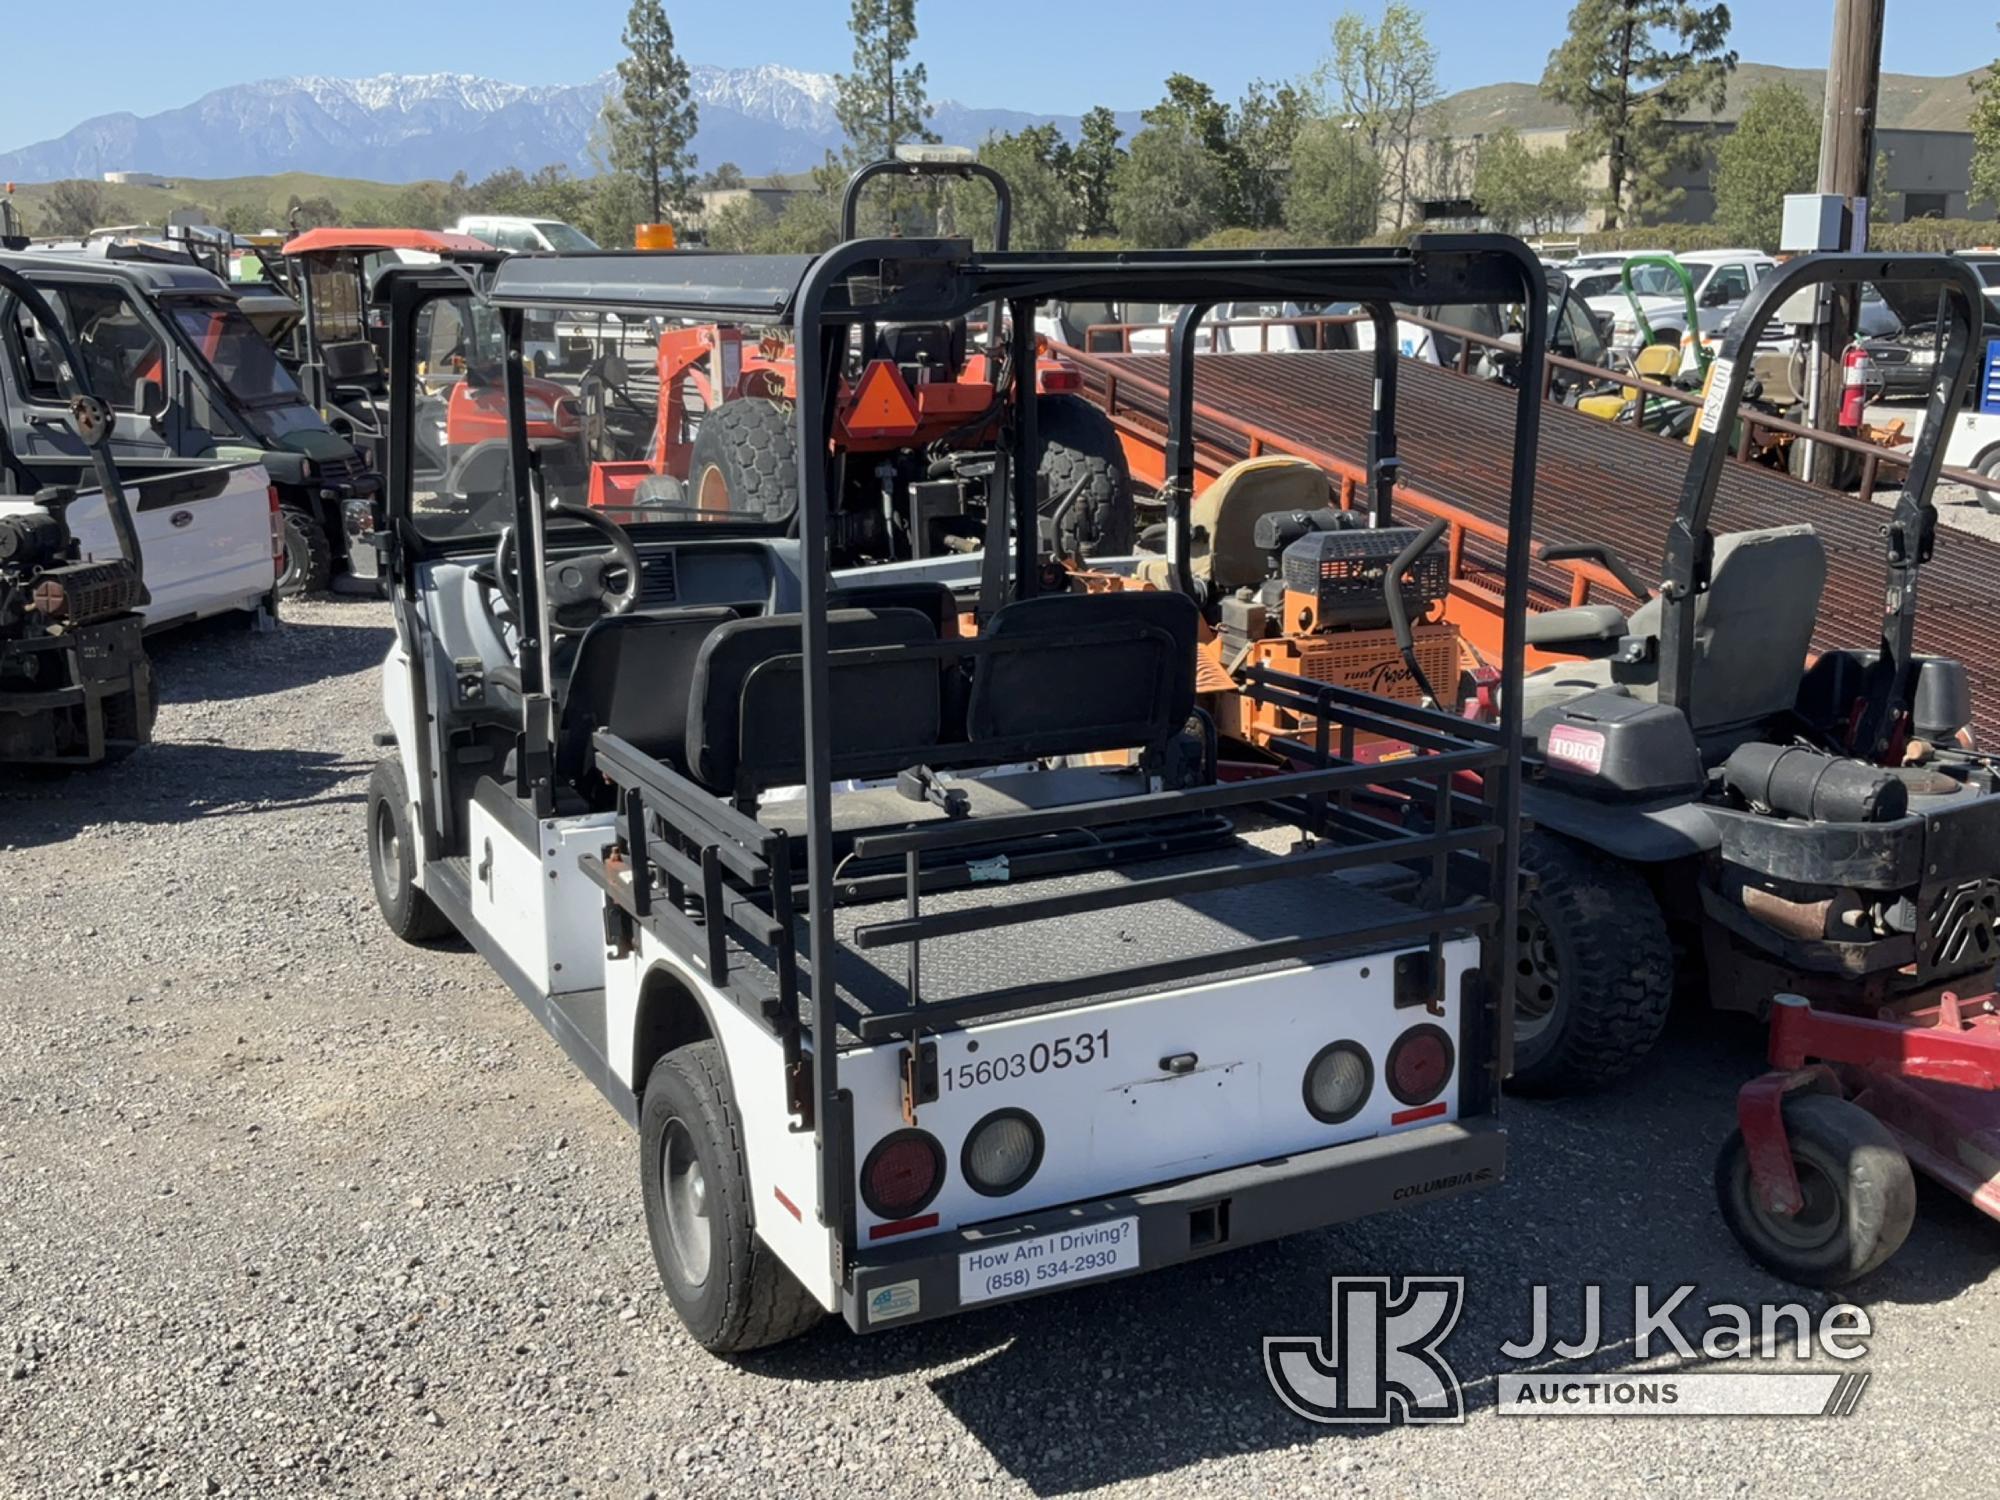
<point>902,1226</point>
<point>901,1174</point>
<point>882,404</point>
<point>1420,1064</point>
<point>787,1204</point>
<point>1055,381</point>
<point>1424,1112</point>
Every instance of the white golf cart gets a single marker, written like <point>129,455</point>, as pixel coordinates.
<point>819,878</point>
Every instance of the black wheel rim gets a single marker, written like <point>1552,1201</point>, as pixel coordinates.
<point>1537,976</point>
<point>1818,1221</point>
<point>684,1192</point>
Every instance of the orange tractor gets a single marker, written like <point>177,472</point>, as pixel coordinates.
<point>913,437</point>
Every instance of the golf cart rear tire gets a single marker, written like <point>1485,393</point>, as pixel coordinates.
<point>411,915</point>
<point>746,455</point>
<point>308,555</point>
<point>1613,968</point>
<point>746,1299</point>
<point>1079,443</point>
<point>1855,1174</point>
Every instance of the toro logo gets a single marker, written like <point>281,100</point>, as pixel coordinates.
<point>1577,749</point>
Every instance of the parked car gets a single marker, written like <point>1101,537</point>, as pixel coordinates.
<point>515,232</point>
<point>1722,279</point>
<point>171,350</point>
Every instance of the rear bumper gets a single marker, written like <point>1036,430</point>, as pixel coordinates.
<point>1200,1215</point>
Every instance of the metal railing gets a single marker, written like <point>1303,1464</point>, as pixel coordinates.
<point>1586,580</point>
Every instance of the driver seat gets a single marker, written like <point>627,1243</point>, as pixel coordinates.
<point>1752,629</point>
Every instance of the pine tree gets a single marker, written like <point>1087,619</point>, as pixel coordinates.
<point>1093,164</point>
<point>1631,69</point>
<point>651,124</point>
<point>881,103</point>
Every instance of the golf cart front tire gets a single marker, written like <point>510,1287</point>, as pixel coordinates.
<point>1860,1195</point>
<point>1595,969</point>
<point>730,1291</point>
<point>411,915</point>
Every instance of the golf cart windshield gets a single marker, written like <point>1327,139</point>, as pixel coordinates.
<point>242,359</point>
<point>611,404</point>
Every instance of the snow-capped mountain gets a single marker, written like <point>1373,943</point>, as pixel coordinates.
<point>399,127</point>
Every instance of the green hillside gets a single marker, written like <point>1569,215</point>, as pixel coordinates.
<point>247,203</point>
<point>1908,102</point>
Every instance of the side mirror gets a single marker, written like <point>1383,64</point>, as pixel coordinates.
<point>152,398</point>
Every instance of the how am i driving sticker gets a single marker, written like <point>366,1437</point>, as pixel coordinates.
<point>1714,392</point>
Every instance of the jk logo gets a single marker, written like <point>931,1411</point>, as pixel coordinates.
<point>1380,1358</point>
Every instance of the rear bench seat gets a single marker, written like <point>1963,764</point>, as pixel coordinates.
<point>1089,672</point>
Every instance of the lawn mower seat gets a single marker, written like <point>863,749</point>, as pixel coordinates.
<point>632,674</point>
<point>1753,627</point>
<point>1225,516</point>
<point>1133,687</point>
<point>746,731</point>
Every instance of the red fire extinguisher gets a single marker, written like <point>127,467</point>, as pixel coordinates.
<point>1857,372</point>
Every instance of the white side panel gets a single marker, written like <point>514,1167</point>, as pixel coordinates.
<point>508,897</point>
<point>1972,434</point>
<point>202,557</point>
<point>575,903</point>
<point>1113,1119</point>
<point>784,1168</point>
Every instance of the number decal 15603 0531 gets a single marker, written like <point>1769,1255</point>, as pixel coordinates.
<point>1042,1057</point>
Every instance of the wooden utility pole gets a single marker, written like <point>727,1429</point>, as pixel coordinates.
<point>1846,163</point>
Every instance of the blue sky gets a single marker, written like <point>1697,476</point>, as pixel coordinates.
<point>1051,55</point>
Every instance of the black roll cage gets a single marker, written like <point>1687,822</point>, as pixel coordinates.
<point>1911,532</point>
<point>699,843</point>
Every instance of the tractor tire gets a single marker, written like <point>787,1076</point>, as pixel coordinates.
<point>308,555</point>
<point>730,1290</point>
<point>1594,973</point>
<point>745,460</point>
<point>392,860</point>
<point>1860,1195</point>
<point>1080,444</point>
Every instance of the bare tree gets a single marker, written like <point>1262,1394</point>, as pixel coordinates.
<point>1383,80</point>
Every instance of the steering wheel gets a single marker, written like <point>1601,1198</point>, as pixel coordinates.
<point>580,590</point>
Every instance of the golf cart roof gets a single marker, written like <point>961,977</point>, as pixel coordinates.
<point>954,277</point>
<point>437,242</point>
<point>164,275</point>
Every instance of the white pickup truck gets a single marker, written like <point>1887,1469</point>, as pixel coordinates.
<point>211,535</point>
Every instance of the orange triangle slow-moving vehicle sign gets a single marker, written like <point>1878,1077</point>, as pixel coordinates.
<point>882,404</point>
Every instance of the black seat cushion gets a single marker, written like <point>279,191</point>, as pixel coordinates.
<point>632,674</point>
<point>934,601</point>
<point>746,726</point>
<point>1134,686</point>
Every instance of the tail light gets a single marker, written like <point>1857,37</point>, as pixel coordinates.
<point>1338,1082</point>
<point>1002,1152</point>
<point>1420,1064</point>
<point>902,1174</point>
<point>1057,382</point>
<point>277,533</point>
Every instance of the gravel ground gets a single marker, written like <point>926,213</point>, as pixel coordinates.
<point>289,1208</point>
